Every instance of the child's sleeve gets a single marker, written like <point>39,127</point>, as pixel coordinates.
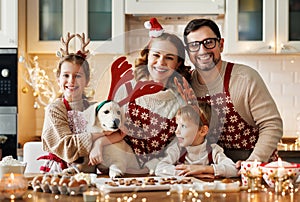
<point>166,167</point>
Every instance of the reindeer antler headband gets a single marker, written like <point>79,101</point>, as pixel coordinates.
<point>121,73</point>
<point>65,51</point>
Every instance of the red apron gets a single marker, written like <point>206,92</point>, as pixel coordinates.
<point>149,133</point>
<point>233,132</point>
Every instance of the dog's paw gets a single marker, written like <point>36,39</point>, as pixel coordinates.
<point>115,172</point>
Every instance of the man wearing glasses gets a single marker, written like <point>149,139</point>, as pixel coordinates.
<point>248,125</point>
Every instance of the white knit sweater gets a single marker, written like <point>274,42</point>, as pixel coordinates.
<point>196,155</point>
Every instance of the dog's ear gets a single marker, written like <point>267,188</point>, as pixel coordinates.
<point>90,114</point>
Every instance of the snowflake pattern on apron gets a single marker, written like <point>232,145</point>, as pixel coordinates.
<point>232,132</point>
<point>149,133</point>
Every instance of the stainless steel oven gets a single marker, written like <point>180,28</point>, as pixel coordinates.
<point>9,100</point>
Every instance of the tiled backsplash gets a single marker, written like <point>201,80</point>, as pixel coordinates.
<point>281,74</point>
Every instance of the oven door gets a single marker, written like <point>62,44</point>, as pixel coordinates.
<point>8,77</point>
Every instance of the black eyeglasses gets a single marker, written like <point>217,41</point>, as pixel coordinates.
<point>208,43</point>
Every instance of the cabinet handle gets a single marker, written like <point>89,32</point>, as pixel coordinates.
<point>288,48</point>
<point>283,47</point>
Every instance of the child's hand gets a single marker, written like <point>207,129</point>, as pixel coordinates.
<point>96,151</point>
<point>95,156</point>
<point>195,170</point>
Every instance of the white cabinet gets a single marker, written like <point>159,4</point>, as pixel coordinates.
<point>103,21</point>
<point>176,7</point>
<point>262,26</point>
<point>8,23</point>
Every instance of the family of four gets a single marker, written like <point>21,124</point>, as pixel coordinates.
<point>203,123</point>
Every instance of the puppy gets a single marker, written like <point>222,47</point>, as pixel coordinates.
<point>107,116</point>
<point>104,116</point>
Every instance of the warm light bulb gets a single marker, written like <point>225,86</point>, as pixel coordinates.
<point>12,176</point>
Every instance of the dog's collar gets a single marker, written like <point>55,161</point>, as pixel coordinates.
<point>101,105</point>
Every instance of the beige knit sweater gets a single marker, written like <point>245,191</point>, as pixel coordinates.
<point>57,137</point>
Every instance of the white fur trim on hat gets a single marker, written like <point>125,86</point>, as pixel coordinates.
<point>156,33</point>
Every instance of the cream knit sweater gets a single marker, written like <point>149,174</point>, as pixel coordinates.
<point>254,103</point>
<point>165,103</point>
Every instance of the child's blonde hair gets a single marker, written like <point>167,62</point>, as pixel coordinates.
<point>198,115</point>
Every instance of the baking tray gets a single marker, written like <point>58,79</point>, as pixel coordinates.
<point>140,183</point>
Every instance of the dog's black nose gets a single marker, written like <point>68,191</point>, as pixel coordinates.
<point>116,123</point>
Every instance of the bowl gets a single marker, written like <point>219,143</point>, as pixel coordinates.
<point>270,171</point>
<point>17,168</point>
<point>10,165</point>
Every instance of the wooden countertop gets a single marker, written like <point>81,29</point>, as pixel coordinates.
<point>162,196</point>
<point>267,195</point>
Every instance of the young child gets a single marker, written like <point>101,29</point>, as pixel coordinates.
<point>191,155</point>
<point>64,133</point>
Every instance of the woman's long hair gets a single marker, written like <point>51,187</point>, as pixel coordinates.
<point>141,63</point>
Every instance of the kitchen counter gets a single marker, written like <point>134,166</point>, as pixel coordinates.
<point>289,150</point>
<point>162,196</point>
<point>266,195</point>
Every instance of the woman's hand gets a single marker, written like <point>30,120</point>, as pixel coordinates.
<point>186,92</point>
<point>113,138</point>
<point>195,170</point>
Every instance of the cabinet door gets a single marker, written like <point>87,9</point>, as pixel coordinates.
<point>288,29</point>
<point>8,23</point>
<point>158,7</point>
<point>106,24</point>
<point>48,20</point>
<point>250,26</point>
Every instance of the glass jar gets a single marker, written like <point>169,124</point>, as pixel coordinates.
<point>13,185</point>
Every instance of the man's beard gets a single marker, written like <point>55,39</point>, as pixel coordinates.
<point>208,66</point>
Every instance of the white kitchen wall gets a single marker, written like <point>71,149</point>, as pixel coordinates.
<point>281,73</point>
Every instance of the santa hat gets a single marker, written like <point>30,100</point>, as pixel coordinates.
<point>155,29</point>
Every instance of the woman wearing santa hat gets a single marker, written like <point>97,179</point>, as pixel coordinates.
<point>150,119</point>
